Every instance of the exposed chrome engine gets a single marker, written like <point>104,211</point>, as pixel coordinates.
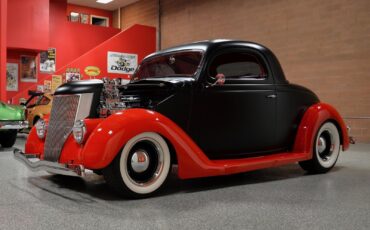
<point>110,99</point>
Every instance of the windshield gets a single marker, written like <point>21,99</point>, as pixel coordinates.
<point>181,64</point>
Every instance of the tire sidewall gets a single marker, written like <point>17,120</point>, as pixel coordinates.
<point>327,126</point>
<point>128,182</point>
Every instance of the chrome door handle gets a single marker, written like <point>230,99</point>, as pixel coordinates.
<point>272,96</point>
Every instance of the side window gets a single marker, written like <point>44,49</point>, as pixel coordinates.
<point>238,65</point>
<point>44,101</point>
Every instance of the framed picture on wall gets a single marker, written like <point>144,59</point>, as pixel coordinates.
<point>48,61</point>
<point>28,68</point>
<point>74,17</point>
<point>40,88</point>
<point>73,77</point>
<point>84,18</point>
<point>47,86</point>
<point>56,81</point>
<point>11,76</point>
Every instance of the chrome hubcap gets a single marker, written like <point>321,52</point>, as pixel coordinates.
<point>140,161</point>
<point>325,145</point>
<point>321,145</point>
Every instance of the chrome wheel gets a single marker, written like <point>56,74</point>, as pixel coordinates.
<point>140,161</point>
<point>327,145</point>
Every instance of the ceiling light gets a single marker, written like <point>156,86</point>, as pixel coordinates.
<point>104,1</point>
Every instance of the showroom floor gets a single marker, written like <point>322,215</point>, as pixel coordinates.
<point>278,198</point>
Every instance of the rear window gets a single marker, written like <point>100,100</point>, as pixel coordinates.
<point>237,65</point>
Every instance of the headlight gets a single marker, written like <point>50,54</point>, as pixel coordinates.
<point>40,128</point>
<point>79,131</point>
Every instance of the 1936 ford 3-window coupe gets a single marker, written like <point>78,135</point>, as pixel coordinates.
<point>213,108</point>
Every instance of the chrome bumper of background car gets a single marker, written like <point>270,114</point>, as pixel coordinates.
<point>13,124</point>
<point>33,162</point>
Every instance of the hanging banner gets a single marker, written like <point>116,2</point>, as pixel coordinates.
<point>56,81</point>
<point>11,76</point>
<point>121,63</point>
<point>48,61</point>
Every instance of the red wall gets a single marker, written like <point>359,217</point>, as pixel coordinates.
<point>3,32</point>
<point>90,11</point>
<point>138,39</point>
<point>14,57</point>
<point>71,40</point>
<point>28,24</point>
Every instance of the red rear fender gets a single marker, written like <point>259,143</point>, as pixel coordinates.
<point>313,118</point>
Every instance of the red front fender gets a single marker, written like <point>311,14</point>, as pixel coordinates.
<point>108,138</point>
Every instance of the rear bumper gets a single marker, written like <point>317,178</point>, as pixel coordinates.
<point>33,162</point>
<point>13,124</point>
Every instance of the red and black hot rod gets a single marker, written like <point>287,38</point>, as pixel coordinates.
<point>213,108</point>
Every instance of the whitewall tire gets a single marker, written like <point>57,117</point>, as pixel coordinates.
<point>142,166</point>
<point>325,151</point>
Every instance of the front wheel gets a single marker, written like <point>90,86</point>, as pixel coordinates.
<point>141,168</point>
<point>8,138</point>
<point>325,151</point>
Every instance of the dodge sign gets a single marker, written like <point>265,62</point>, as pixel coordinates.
<point>121,63</point>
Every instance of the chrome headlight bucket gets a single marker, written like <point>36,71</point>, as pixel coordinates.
<point>79,131</point>
<point>40,128</point>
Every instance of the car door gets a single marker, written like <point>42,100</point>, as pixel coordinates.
<point>237,118</point>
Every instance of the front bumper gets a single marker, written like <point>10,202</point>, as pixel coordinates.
<point>13,124</point>
<point>34,163</point>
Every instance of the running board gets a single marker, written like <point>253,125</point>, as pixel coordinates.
<point>234,166</point>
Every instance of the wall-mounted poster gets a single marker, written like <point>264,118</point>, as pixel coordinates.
<point>40,88</point>
<point>11,76</point>
<point>56,81</point>
<point>121,63</point>
<point>28,69</point>
<point>73,74</point>
<point>84,18</point>
<point>74,17</point>
<point>47,86</point>
<point>48,61</point>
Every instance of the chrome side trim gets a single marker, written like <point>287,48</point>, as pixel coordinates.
<point>35,164</point>
<point>13,124</point>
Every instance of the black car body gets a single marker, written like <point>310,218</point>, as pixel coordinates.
<point>213,108</point>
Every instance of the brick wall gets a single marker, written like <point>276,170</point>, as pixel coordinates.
<point>143,12</point>
<point>323,45</point>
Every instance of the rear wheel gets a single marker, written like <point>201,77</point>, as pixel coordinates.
<point>141,168</point>
<point>8,138</point>
<point>325,151</point>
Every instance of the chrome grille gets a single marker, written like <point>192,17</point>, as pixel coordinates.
<point>62,118</point>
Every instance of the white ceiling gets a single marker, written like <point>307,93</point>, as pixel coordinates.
<point>110,6</point>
